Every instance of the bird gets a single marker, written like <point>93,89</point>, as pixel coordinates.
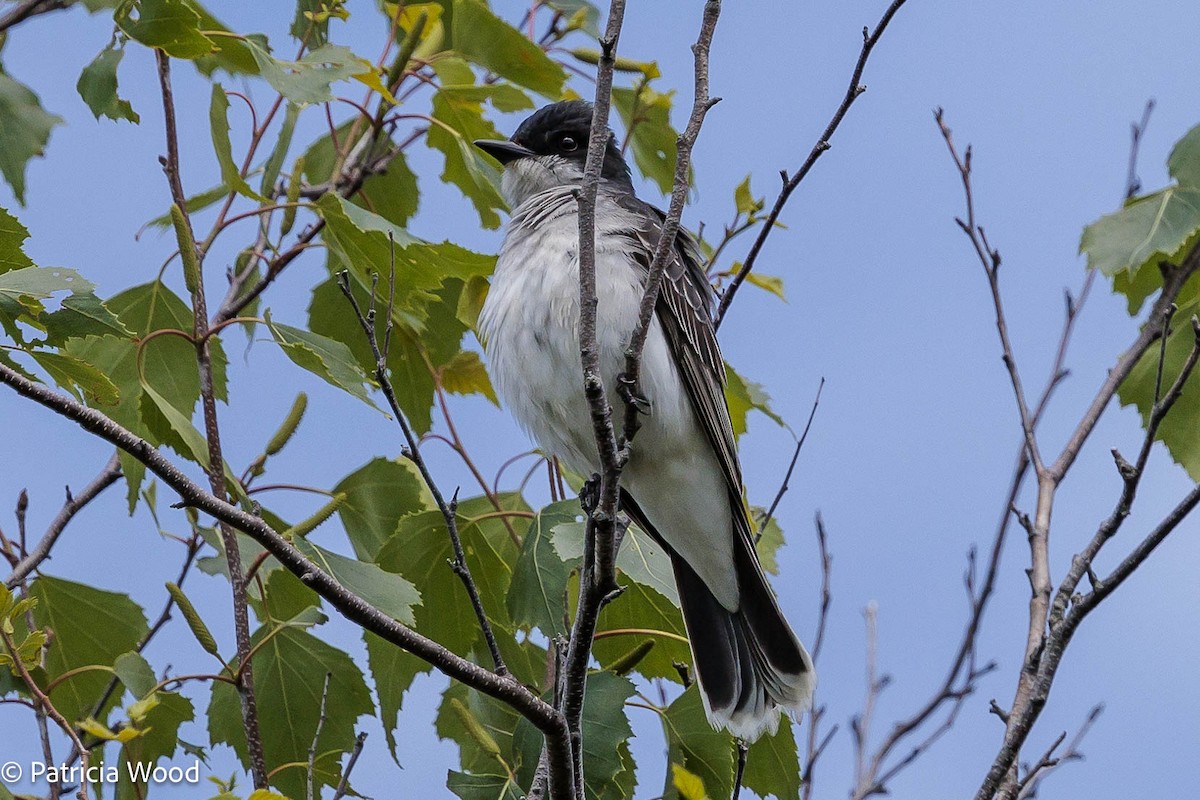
<point>682,484</point>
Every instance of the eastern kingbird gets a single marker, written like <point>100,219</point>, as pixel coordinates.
<point>683,483</point>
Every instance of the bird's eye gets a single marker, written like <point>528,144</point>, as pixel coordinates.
<point>568,144</point>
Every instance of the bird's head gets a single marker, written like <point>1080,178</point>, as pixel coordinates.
<point>548,150</point>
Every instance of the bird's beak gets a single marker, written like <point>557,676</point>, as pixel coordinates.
<point>503,150</point>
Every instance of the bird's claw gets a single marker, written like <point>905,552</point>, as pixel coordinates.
<point>589,494</point>
<point>627,388</point>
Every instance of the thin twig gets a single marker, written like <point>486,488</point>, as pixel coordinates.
<point>74,503</point>
<point>740,770</point>
<point>856,88</point>
<point>30,8</point>
<point>787,476</point>
<point>413,452</point>
<point>344,783</point>
<point>312,748</point>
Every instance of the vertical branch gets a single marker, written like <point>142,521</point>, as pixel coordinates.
<point>216,461</point>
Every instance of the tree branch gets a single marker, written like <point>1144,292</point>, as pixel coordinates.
<point>212,434</point>
<point>30,8</point>
<point>41,551</point>
<point>856,88</point>
<point>543,716</point>
<point>413,452</point>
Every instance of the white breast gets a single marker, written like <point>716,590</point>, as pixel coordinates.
<point>529,326</point>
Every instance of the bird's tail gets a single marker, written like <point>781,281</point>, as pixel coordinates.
<point>750,665</point>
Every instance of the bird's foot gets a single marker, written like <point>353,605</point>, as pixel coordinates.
<point>627,388</point>
<point>589,494</point>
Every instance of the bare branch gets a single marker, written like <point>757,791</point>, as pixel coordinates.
<point>30,8</point>
<point>41,551</point>
<point>787,476</point>
<point>344,783</point>
<point>1049,762</point>
<point>856,88</point>
<point>312,748</point>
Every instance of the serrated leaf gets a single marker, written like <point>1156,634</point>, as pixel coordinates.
<point>24,128</point>
<point>97,86</point>
<point>773,765</point>
<point>218,123</point>
<point>159,739</point>
<point>81,379</point>
<point>12,243</point>
<point>389,593</point>
<point>538,595</point>
<point>232,53</point>
<point>172,26</point>
<point>743,396</point>
<point>1150,229</point>
<point>1184,162</point>
<point>459,109</point>
<point>326,358</point>
<point>289,676</point>
<point>308,80</point>
<point>484,39</point>
<point>91,626</point>
<point>378,495</point>
<point>693,744</point>
<point>642,608</point>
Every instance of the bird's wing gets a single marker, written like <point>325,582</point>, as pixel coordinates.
<point>684,310</point>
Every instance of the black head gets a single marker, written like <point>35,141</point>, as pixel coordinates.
<point>560,131</point>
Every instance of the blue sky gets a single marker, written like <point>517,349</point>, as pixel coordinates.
<point>915,438</point>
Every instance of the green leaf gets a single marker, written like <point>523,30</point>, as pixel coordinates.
<point>378,495</point>
<point>98,86</point>
<point>12,243</point>
<point>280,150</point>
<point>91,627</point>
<point>218,122</point>
<point>159,740</point>
<point>232,54</point>
<point>1178,429</point>
<point>769,542</point>
<point>646,115</point>
<point>1184,161</point>
<point>773,765</point>
<point>24,128</point>
<point>393,671</point>
<point>485,39</point>
<point>744,396</point>
<point>689,785</point>
<point>289,675</point>
<point>538,595</point>
<point>23,290</point>
<point>195,203</point>
<point>746,202</point>
<point>770,283</point>
<point>1157,227</point>
<point>389,593</point>
<point>307,81</point>
<point>483,787</point>
<point>360,240</point>
<point>81,379</point>
<point>465,374</point>
<point>326,358</point>
<point>649,603</point>
<point>172,26</point>
<point>168,365</point>
<point>694,745</point>
<point>135,674</point>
